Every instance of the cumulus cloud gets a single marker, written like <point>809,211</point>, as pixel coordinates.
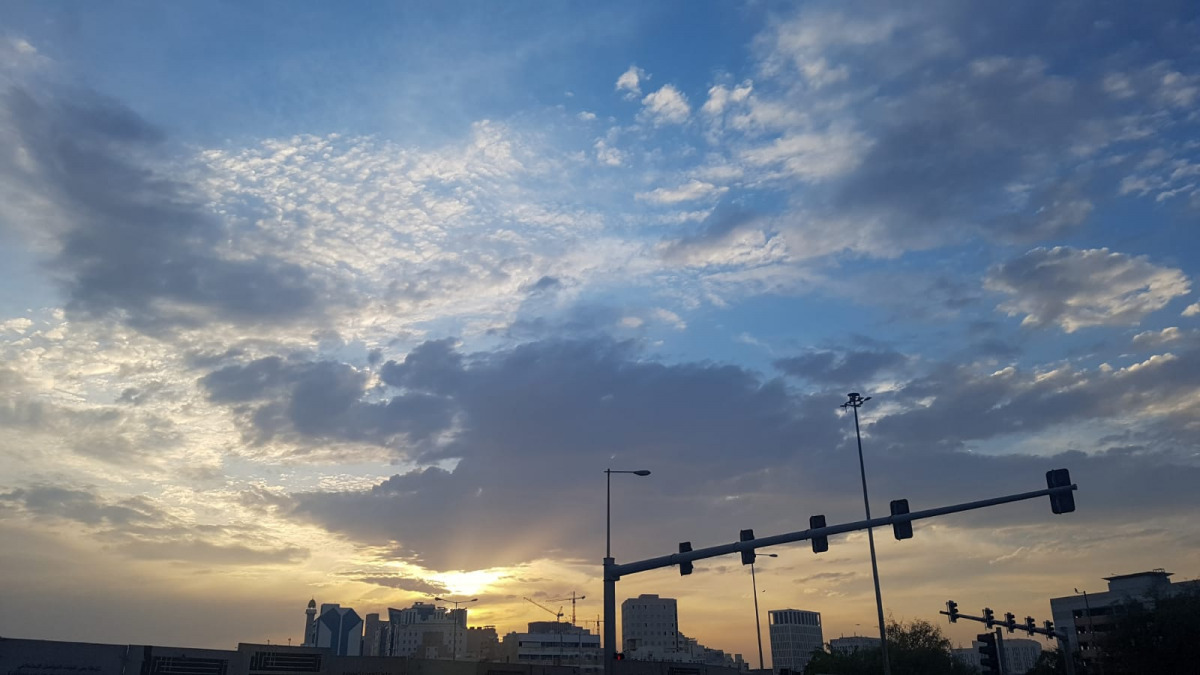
<point>668,105</point>
<point>630,82</point>
<point>1076,288</point>
<point>1154,339</point>
<point>720,97</point>
<point>1192,310</point>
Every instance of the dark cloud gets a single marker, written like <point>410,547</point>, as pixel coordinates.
<point>131,242</point>
<point>844,369</point>
<point>81,506</point>
<point>322,400</point>
<point>410,584</point>
<point>540,422</point>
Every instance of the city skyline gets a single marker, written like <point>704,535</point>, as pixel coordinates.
<point>359,303</point>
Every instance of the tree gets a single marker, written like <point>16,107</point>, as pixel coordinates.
<point>1156,637</point>
<point>916,648</point>
<point>1051,663</point>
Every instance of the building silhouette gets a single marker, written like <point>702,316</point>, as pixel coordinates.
<point>795,635</point>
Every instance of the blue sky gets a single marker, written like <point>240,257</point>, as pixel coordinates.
<point>356,303</point>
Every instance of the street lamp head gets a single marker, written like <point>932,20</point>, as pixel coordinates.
<point>641,472</point>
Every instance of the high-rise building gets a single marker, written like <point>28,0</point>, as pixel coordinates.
<point>376,636</point>
<point>650,632</point>
<point>1087,617</point>
<point>650,628</point>
<point>795,635</point>
<point>339,629</point>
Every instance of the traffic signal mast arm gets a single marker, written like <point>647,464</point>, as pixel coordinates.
<point>1026,627</point>
<point>614,571</point>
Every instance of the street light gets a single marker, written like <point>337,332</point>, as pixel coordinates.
<point>456,603</point>
<point>610,585</point>
<point>757,623</point>
<point>854,403</point>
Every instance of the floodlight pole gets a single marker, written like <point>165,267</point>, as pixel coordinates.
<point>854,403</point>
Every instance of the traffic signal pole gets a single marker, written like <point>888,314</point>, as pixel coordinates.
<point>614,571</point>
<point>1000,651</point>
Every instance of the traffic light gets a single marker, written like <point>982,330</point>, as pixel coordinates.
<point>989,617</point>
<point>902,530</point>
<point>685,568</point>
<point>1030,625</point>
<point>989,658</point>
<point>747,555</point>
<point>619,656</point>
<point>1048,625</point>
<point>819,544</point>
<point>1062,502</point>
<point>952,610</point>
<point>1010,621</point>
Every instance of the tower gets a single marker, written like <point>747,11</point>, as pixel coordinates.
<point>310,624</point>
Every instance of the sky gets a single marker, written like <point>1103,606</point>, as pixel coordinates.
<point>357,303</point>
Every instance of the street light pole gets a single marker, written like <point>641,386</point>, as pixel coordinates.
<point>610,584</point>
<point>854,403</point>
<point>454,640</point>
<point>757,622</point>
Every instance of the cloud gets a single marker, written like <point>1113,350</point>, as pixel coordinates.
<point>308,401</point>
<point>720,97</point>
<point>139,529</point>
<point>690,191</point>
<point>846,369</point>
<point>1076,288</point>
<point>126,239</point>
<point>543,413</point>
<point>630,82</point>
<point>668,105</point>
<point>1154,339</point>
<point>1191,310</point>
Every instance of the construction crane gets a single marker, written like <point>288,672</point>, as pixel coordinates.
<point>557,615</point>
<point>572,598</point>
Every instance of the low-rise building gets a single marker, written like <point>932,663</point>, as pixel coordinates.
<point>554,643</point>
<point>1086,616</point>
<point>854,643</point>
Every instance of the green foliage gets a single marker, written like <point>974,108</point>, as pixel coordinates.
<point>1161,638</point>
<point>916,648</point>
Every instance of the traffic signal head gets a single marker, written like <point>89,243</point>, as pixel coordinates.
<point>685,568</point>
<point>747,555</point>
<point>1030,625</point>
<point>819,544</point>
<point>901,530</point>
<point>989,658</point>
<point>1048,625</point>
<point>619,656</point>
<point>989,617</point>
<point>1010,621</point>
<point>1062,502</point>
<point>952,610</point>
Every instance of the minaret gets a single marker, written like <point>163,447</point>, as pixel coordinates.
<point>310,624</point>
